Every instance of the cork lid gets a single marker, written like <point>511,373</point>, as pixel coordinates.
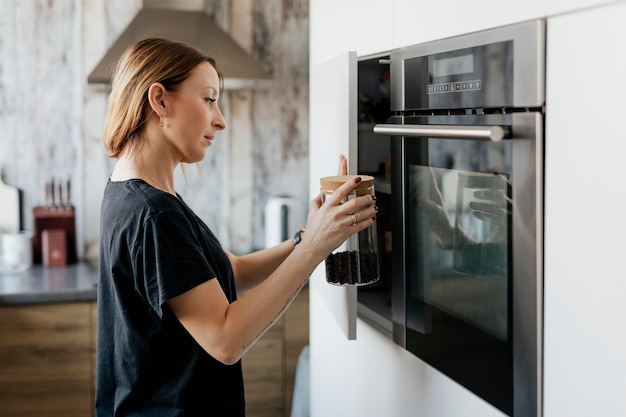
<point>330,184</point>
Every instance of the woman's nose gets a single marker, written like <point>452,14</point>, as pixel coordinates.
<point>219,123</point>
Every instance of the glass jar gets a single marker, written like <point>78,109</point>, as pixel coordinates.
<point>357,264</point>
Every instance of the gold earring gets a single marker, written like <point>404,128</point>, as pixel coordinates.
<point>161,123</point>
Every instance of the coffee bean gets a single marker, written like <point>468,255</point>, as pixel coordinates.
<point>342,268</point>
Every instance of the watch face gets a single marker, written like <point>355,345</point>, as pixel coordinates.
<point>297,237</point>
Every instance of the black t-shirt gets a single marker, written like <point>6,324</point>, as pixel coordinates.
<point>153,248</point>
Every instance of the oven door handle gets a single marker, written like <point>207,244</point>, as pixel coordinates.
<point>493,133</point>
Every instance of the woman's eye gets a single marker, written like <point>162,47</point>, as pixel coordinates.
<point>211,100</point>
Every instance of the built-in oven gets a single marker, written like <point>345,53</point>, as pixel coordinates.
<point>466,134</point>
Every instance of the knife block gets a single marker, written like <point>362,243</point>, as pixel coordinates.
<point>49,218</point>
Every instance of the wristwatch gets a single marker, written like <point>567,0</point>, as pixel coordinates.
<point>297,238</point>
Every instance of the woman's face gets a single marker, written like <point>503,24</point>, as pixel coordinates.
<point>194,117</point>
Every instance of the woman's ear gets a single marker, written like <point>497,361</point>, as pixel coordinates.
<point>156,98</point>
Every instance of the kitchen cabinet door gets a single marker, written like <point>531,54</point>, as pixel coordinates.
<point>333,121</point>
<point>364,26</point>
<point>46,360</point>
<point>418,21</point>
<point>585,285</point>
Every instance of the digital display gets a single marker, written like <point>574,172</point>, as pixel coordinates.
<point>462,64</point>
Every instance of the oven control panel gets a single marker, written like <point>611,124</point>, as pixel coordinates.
<point>454,87</point>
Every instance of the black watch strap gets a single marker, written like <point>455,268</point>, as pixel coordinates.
<point>297,238</point>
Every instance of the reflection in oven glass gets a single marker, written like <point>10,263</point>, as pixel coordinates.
<point>460,226</point>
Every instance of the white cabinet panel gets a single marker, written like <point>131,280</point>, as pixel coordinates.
<point>555,7</point>
<point>422,21</point>
<point>333,121</point>
<point>585,278</point>
<point>364,26</point>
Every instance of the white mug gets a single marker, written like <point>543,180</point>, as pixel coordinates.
<point>16,251</point>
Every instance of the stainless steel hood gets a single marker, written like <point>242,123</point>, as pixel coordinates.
<point>165,19</point>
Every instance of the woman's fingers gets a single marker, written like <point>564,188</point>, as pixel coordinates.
<point>343,165</point>
<point>330,223</point>
<point>340,193</point>
<point>367,215</point>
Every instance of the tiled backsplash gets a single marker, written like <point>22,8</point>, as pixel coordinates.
<point>51,120</point>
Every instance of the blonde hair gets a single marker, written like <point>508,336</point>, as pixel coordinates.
<point>148,61</point>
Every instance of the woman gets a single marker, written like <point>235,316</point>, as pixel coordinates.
<point>176,311</point>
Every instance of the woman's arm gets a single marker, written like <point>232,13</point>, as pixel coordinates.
<point>251,269</point>
<point>227,330</point>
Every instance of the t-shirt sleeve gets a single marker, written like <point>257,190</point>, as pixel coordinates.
<point>173,259</point>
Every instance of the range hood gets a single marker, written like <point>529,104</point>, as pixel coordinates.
<point>166,19</point>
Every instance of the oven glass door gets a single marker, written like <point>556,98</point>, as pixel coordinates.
<point>460,234</point>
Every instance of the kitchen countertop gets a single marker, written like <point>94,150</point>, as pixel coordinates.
<point>37,285</point>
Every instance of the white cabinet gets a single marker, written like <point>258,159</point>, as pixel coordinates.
<point>585,283</point>
<point>346,102</point>
<point>333,121</point>
<point>364,26</point>
<point>585,279</point>
<point>420,21</point>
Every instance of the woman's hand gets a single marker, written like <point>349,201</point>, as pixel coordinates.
<point>331,223</point>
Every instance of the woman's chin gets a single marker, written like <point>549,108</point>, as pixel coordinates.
<point>196,157</point>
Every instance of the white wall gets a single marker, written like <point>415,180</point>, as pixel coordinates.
<point>585,370</point>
